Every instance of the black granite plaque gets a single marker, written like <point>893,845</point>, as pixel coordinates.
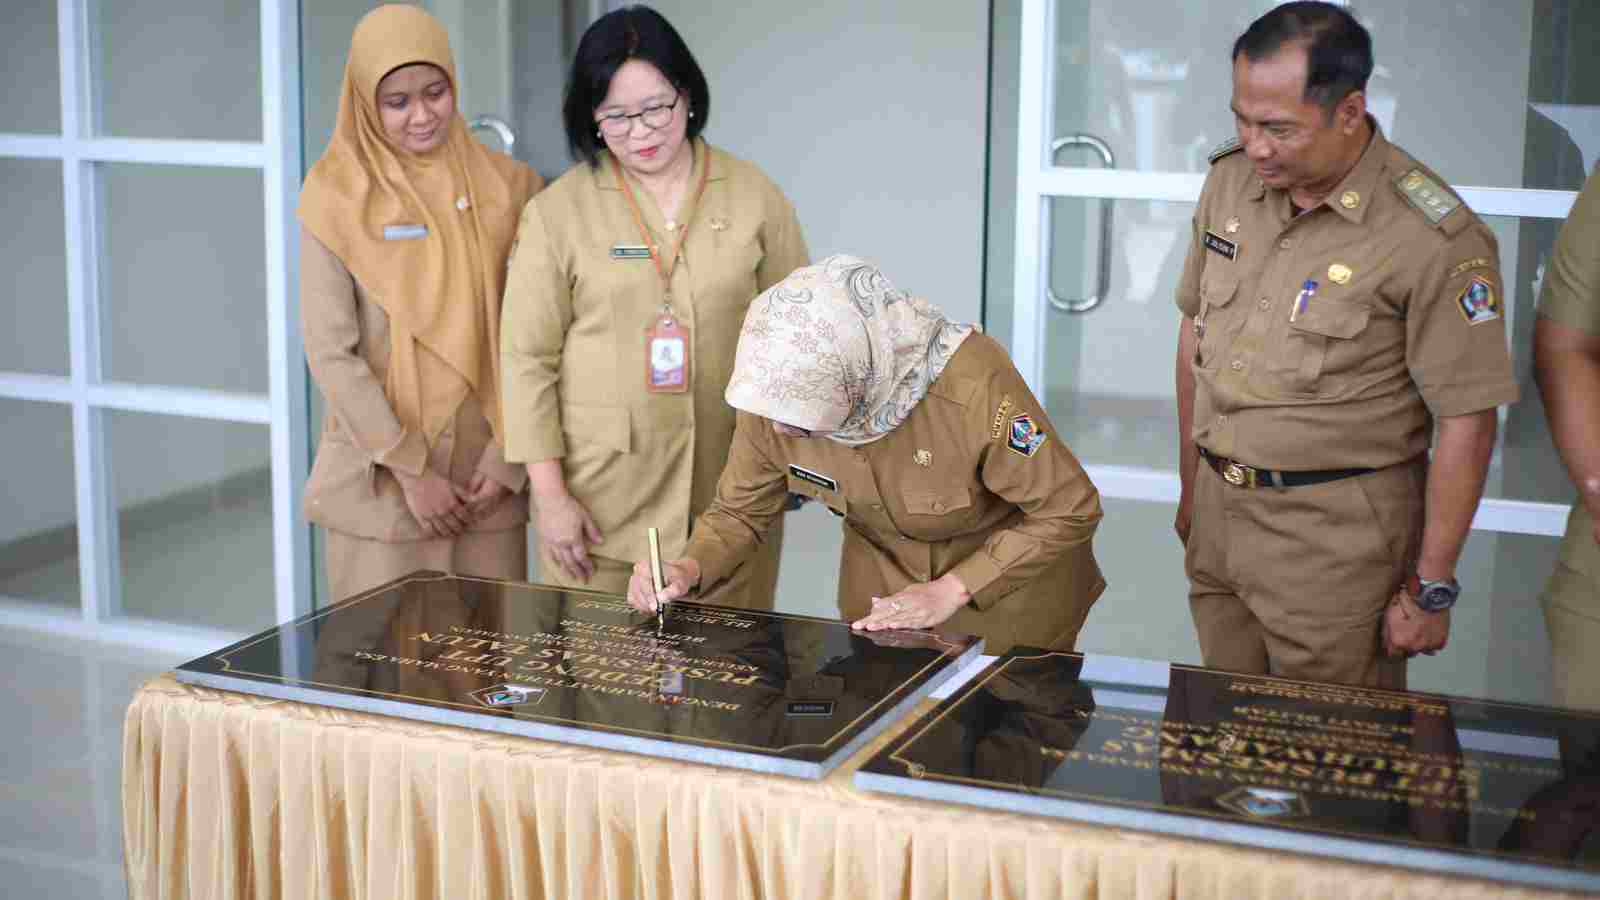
<point>1466,787</point>
<point>712,683</point>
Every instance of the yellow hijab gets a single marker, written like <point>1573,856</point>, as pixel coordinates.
<point>442,291</point>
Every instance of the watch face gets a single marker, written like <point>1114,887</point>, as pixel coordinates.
<point>1436,597</point>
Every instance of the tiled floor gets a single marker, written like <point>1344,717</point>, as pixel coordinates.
<point>61,763</point>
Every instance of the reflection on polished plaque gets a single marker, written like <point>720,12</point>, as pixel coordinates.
<point>1465,787</point>
<point>710,683</point>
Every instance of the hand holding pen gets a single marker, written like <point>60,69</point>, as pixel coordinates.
<point>677,578</point>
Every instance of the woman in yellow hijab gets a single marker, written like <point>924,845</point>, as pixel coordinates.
<point>407,223</point>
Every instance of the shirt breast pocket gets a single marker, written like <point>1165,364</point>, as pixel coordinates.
<point>1217,291</point>
<point>1322,347</point>
<point>734,268</point>
<point>937,514</point>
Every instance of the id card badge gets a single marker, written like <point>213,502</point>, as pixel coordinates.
<point>666,356</point>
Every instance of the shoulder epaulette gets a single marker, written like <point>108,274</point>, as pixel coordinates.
<point>1231,145</point>
<point>1430,198</point>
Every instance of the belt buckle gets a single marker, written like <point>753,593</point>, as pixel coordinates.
<point>1238,476</point>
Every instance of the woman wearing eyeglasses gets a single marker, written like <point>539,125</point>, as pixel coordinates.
<point>627,287</point>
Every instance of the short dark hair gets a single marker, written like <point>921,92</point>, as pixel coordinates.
<point>633,32</point>
<point>1338,48</point>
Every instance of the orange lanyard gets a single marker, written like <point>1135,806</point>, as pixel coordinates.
<point>665,271</point>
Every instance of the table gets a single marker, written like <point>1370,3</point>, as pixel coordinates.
<point>234,796</point>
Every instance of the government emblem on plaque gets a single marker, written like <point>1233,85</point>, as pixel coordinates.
<point>1264,803</point>
<point>501,696</point>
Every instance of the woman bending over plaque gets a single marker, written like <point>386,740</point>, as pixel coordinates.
<point>631,275</point>
<point>406,224</point>
<point>962,505</point>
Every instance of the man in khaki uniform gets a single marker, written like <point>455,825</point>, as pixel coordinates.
<point>1338,302</point>
<point>1566,351</point>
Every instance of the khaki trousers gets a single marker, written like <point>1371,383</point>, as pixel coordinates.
<point>1294,582</point>
<point>358,564</point>
<point>1572,614</point>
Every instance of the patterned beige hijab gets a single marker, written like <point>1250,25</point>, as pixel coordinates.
<point>441,292</point>
<point>837,350</point>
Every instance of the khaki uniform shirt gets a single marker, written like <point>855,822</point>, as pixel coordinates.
<point>1406,321</point>
<point>942,492</point>
<point>573,340</point>
<point>1571,296</point>
<point>351,488</point>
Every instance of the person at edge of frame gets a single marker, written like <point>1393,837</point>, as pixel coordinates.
<point>961,504</point>
<point>406,222</point>
<point>629,279</point>
<point>1566,359</point>
<point>1338,303</point>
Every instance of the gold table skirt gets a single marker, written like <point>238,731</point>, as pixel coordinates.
<point>233,796</point>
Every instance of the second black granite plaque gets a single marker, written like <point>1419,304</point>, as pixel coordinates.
<point>759,690</point>
<point>1458,786</point>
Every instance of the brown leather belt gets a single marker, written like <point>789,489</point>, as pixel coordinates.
<point>1240,475</point>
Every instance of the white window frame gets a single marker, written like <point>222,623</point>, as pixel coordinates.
<point>1039,179</point>
<point>283,408</point>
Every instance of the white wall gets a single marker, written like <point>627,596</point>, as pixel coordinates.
<point>871,117</point>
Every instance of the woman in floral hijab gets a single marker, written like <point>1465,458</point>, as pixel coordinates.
<point>962,505</point>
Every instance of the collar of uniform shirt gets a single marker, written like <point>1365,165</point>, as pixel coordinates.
<point>1363,180</point>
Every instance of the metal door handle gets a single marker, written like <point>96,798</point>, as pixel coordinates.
<point>1103,283</point>
<point>498,126</point>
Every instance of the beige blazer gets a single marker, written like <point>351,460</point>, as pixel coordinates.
<point>573,340</point>
<point>351,488</point>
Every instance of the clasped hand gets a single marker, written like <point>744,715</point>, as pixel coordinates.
<point>1409,630</point>
<point>445,509</point>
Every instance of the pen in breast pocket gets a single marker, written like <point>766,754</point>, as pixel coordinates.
<point>1302,299</point>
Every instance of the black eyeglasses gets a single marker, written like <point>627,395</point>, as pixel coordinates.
<point>653,117</point>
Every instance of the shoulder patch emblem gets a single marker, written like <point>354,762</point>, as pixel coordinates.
<point>1231,145</point>
<point>998,426</point>
<point>1428,196</point>
<point>1025,437</point>
<point>1477,301</point>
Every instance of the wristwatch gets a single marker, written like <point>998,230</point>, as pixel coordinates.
<point>1436,596</point>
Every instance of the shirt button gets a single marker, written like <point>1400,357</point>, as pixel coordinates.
<point>463,204</point>
<point>1285,243</point>
<point>938,506</point>
<point>672,225</point>
<point>1222,420</point>
<point>1265,303</point>
<point>877,507</point>
<point>1237,365</point>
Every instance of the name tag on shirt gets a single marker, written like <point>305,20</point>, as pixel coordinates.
<point>1219,244</point>
<point>816,478</point>
<point>404,232</point>
<point>630,251</point>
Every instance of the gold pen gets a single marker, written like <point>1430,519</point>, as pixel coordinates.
<point>656,574</point>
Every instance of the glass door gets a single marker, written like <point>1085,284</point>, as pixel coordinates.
<point>1108,114</point>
